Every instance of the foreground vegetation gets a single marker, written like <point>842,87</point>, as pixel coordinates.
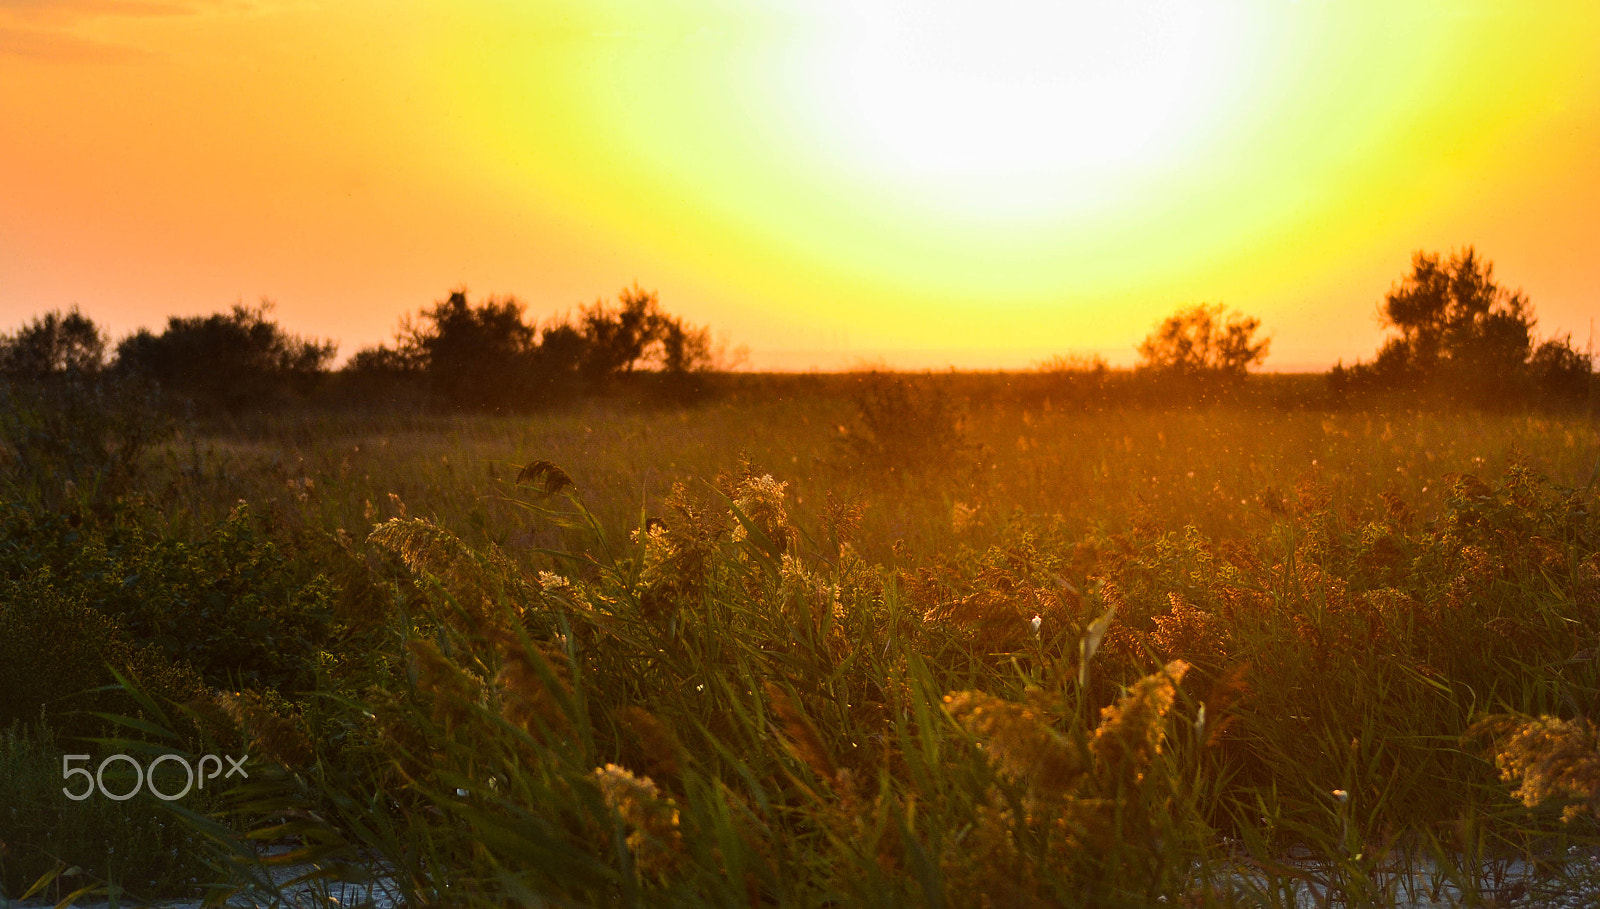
<point>824,640</point>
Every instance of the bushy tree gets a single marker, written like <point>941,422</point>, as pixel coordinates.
<point>1204,341</point>
<point>477,356</point>
<point>1456,331</point>
<point>226,361</point>
<point>55,344</point>
<point>1561,371</point>
<point>637,333</point>
<point>489,356</point>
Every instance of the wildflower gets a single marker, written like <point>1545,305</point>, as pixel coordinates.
<point>549,580</point>
<point>962,517</point>
<point>760,500</point>
<point>1130,732</point>
<point>1553,758</point>
<point>658,548</point>
<point>1023,745</point>
<point>654,836</point>
<point>1037,621</point>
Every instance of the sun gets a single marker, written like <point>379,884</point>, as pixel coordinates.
<point>1026,107</point>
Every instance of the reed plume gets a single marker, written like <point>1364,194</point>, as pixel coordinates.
<point>760,500</point>
<point>473,580</point>
<point>1550,759</point>
<point>654,836</point>
<point>266,728</point>
<point>1022,743</point>
<point>800,735</point>
<point>651,743</point>
<point>534,685</point>
<point>454,692</point>
<point>1131,731</point>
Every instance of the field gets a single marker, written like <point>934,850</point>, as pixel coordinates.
<point>819,640</point>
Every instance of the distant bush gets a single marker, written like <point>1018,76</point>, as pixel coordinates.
<point>73,439</point>
<point>1203,342</point>
<point>477,356</point>
<point>54,345</point>
<point>489,357</point>
<point>1457,333</point>
<point>906,426</point>
<point>232,605</point>
<point>226,362</point>
<point>55,650</point>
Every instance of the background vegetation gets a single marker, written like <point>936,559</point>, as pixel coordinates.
<point>1076,636</point>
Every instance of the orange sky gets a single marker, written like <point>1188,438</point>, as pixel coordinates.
<point>920,183</point>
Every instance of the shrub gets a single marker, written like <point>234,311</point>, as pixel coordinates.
<point>229,605</point>
<point>52,345</point>
<point>135,850</point>
<point>906,426</point>
<point>1459,334</point>
<point>226,362</point>
<point>1204,342</point>
<point>55,650</point>
<point>1561,372</point>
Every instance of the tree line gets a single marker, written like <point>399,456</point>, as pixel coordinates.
<point>486,356</point>
<point>1455,334</point>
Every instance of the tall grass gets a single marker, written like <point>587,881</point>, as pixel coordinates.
<point>1219,468</point>
<point>758,654</point>
<point>705,713</point>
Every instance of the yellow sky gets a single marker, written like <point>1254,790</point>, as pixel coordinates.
<point>914,182</point>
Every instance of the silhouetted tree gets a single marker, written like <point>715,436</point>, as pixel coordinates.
<point>1457,332</point>
<point>637,333</point>
<point>490,356</point>
<point>1560,371</point>
<point>559,359</point>
<point>54,344</point>
<point>617,337</point>
<point>384,359</point>
<point>226,361</point>
<point>477,356</point>
<point>1204,342</point>
<point>69,437</point>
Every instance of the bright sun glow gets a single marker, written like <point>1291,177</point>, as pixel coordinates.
<point>823,177</point>
<point>1030,107</point>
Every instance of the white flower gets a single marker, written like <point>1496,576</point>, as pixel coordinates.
<point>1037,621</point>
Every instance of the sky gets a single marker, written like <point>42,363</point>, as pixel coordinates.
<point>825,183</point>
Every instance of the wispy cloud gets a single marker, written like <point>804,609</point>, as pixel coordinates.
<point>60,46</point>
<point>72,31</point>
<point>57,11</point>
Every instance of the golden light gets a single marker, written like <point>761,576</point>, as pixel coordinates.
<point>1019,176</point>
<point>1025,109</point>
